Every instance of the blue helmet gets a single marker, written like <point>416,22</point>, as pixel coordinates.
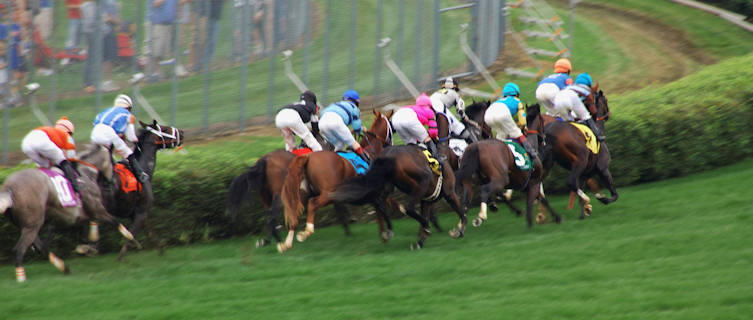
<point>511,89</point>
<point>352,95</point>
<point>584,79</point>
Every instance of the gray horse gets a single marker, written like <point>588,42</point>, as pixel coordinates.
<point>29,195</point>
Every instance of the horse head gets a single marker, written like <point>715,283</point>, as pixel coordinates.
<point>163,137</point>
<point>475,114</point>
<point>597,105</point>
<point>381,130</point>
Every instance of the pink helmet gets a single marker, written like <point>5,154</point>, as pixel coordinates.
<point>423,100</point>
<point>65,124</point>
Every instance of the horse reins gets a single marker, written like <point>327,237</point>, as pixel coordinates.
<point>170,140</point>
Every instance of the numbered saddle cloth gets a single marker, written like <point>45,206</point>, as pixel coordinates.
<point>458,146</point>
<point>66,195</point>
<point>591,141</point>
<point>358,164</point>
<point>128,182</point>
<point>522,158</point>
<point>433,163</point>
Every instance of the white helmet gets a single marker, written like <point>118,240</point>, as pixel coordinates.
<point>123,101</point>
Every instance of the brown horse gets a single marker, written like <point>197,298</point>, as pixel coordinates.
<point>135,204</point>
<point>314,176</point>
<point>406,168</point>
<point>28,196</point>
<point>566,146</point>
<point>474,119</point>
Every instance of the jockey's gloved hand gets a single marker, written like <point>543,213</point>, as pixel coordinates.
<point>461,113</point>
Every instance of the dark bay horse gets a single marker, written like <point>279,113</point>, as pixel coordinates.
<point>566,146</point>
<point>313,177</point>
<point>475,119</point>
<point>134,205</point>
<point>29,196</point>
<point>406,168</point>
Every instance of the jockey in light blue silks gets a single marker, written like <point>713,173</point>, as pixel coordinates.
<point>116,122</point>
<point>334,121</point>
<point>446,97</point>
<point>552,84</point>
<point>499,117</point>
<point>570,101</point>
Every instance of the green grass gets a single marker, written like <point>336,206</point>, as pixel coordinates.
<point>676,249</point>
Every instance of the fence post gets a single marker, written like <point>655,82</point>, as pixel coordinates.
<point>417,48</point>
<point>307,40</point>
<point>435,63</point>
<point>272,55</point>
<point>325,76</point>
<point>98,51</point>
<point>245,20</point>
<point>352,62</point>
<point>400,38</point>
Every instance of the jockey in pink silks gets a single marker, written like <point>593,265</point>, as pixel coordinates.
<point>409,122</point>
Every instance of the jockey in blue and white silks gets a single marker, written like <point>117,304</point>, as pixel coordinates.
<point>335,119</point>
<point>292,119</point>
<point>499,117</point>
<point>112,124</point>
<point>549,86</point>
<point>569,101</point>
<point>447,96</point>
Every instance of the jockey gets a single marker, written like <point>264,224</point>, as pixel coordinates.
<point>335,119</point>
<point>549,86</point>
<point>571,100</point>
<point>446,97</point>
<point>112,124</point>
<point>292,119</point>
<point>48,146</point>
<point>409,123</point>
<point>499,117</point>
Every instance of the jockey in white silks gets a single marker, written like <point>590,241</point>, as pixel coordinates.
<point>334,121</point>
<point>499,117</point>
<point>441,101</point>
<point>116,122</point>
<point>409,123</point>
<point>552,84</point>
<point>569,102</point>
<point>48,146</point>
<point>292,119</point>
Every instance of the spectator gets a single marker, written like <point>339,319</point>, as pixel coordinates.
<point>3,72</point>
<point>257,17</point>
<point>74,26</point>
<point>200,17</point>
<point>110,19</point>
<point>163,13</point>
<point>17,63</point>
<point>43,19</point>
<point>215,12</point>
<point>238,12</point>
<point>184,31</point>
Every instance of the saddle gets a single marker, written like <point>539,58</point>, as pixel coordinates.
<point>433,163</point>
<point>591,141</point>
<point>358,164</point>
<point>128,181</point>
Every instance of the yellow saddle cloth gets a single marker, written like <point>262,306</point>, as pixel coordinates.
<point>591,141</point>
<point>433,163</point>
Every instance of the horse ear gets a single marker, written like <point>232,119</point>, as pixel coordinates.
<point>375,112</point>
<point>143,124</point>
<point>596,87</point>
<point>389,114</point>
<point>155,122</point>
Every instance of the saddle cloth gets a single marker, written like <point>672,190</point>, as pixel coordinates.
<point>433,163</point>
<point>522,158</point>
<point>66,195</point>
<point>128,182</point>
<point>358,164</point>
<point>301,151</point>
<point>591,141</point>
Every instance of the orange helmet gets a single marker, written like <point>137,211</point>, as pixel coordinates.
<point>562,66</point>
<point>65,124</point>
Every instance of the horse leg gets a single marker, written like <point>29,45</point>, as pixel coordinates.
<point>574,182</point>
<point>433,218</point>
<point>487,191</point>
<point>28,236</point>
<point>509,204</point>
<point>606,178</point>
<point>54,260</point>
<point>423,230</point>
<point>452,198</point>
<point>99,213</point>
<point>383,219</point>
<point>314,204</point>
<point>343,215</point>
<point>139,221</point>
<point>271,214</point>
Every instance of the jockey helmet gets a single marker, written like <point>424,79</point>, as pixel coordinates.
<point>450,83</point>
<point>423,100</point>
<point>65,124</point>
<point>584,79</point>
<point>352,95</point>
<point>511,89</point>
<point>562,66</point>
<point>123,101</point>
<point>308,96</point>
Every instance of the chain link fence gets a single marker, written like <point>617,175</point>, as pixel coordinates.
<point>215,66</point>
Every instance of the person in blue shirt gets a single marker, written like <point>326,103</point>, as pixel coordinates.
<point>499,117</point>
<point>335,119</point>
<point>549,86</point>
<point>568,104</point>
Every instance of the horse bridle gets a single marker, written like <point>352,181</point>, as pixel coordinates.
<point>387,140</point>
<point>596,106</point>
<point>166,140</point>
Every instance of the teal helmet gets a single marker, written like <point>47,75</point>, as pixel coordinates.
<point>584,79</point>
<point>511,89</point>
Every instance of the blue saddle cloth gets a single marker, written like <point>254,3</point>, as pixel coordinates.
<point>356,161</point>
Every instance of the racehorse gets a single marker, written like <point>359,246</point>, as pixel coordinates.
<point>406,168</point>
<point>314,176</point>
<point>474,119</point>
<point>29,195</point>
<point>133,204</point>
<point>566,145</point>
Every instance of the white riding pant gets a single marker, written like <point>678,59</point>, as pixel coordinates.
<point>498,117</point>
<point>456,126</point>
<point>333,128</point>
<point>290,122</point>
<point>38,146</point>
<point>545,94</point>
<point>566,101</point>
<point>105,136</point>
<point>406,123</point>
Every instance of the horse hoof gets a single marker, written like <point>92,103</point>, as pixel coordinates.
<point>493,207</point>
<point>456,233</point>
<point>540,218</point>
<point>477,222</point>
<point>387,235</point>
<point>281,247</point>
<point>587,209</point>
<point>261,243</point>
<point>415,247</point>
<point>301,236</point>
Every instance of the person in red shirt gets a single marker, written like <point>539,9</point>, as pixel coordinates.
<point>48,146</point>
<point>74,24</point>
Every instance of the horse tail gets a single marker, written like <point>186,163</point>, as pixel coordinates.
<point>291,193</point>
<point>365,188</point>
<point>6,200</point>
<point>469,164</point>
<point>243,185</point>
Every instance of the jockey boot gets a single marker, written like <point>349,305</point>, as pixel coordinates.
<point>597,131</point>
<point>70,174</point>
<point>364,155</point>
<point>531,151</point>
<point>142,176</point>
<point>432,147</point>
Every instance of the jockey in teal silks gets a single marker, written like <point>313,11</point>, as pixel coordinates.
<point>334,122</point>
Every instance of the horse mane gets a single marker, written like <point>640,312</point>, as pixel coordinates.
<point>532,112</point>
<point>477,106</point>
